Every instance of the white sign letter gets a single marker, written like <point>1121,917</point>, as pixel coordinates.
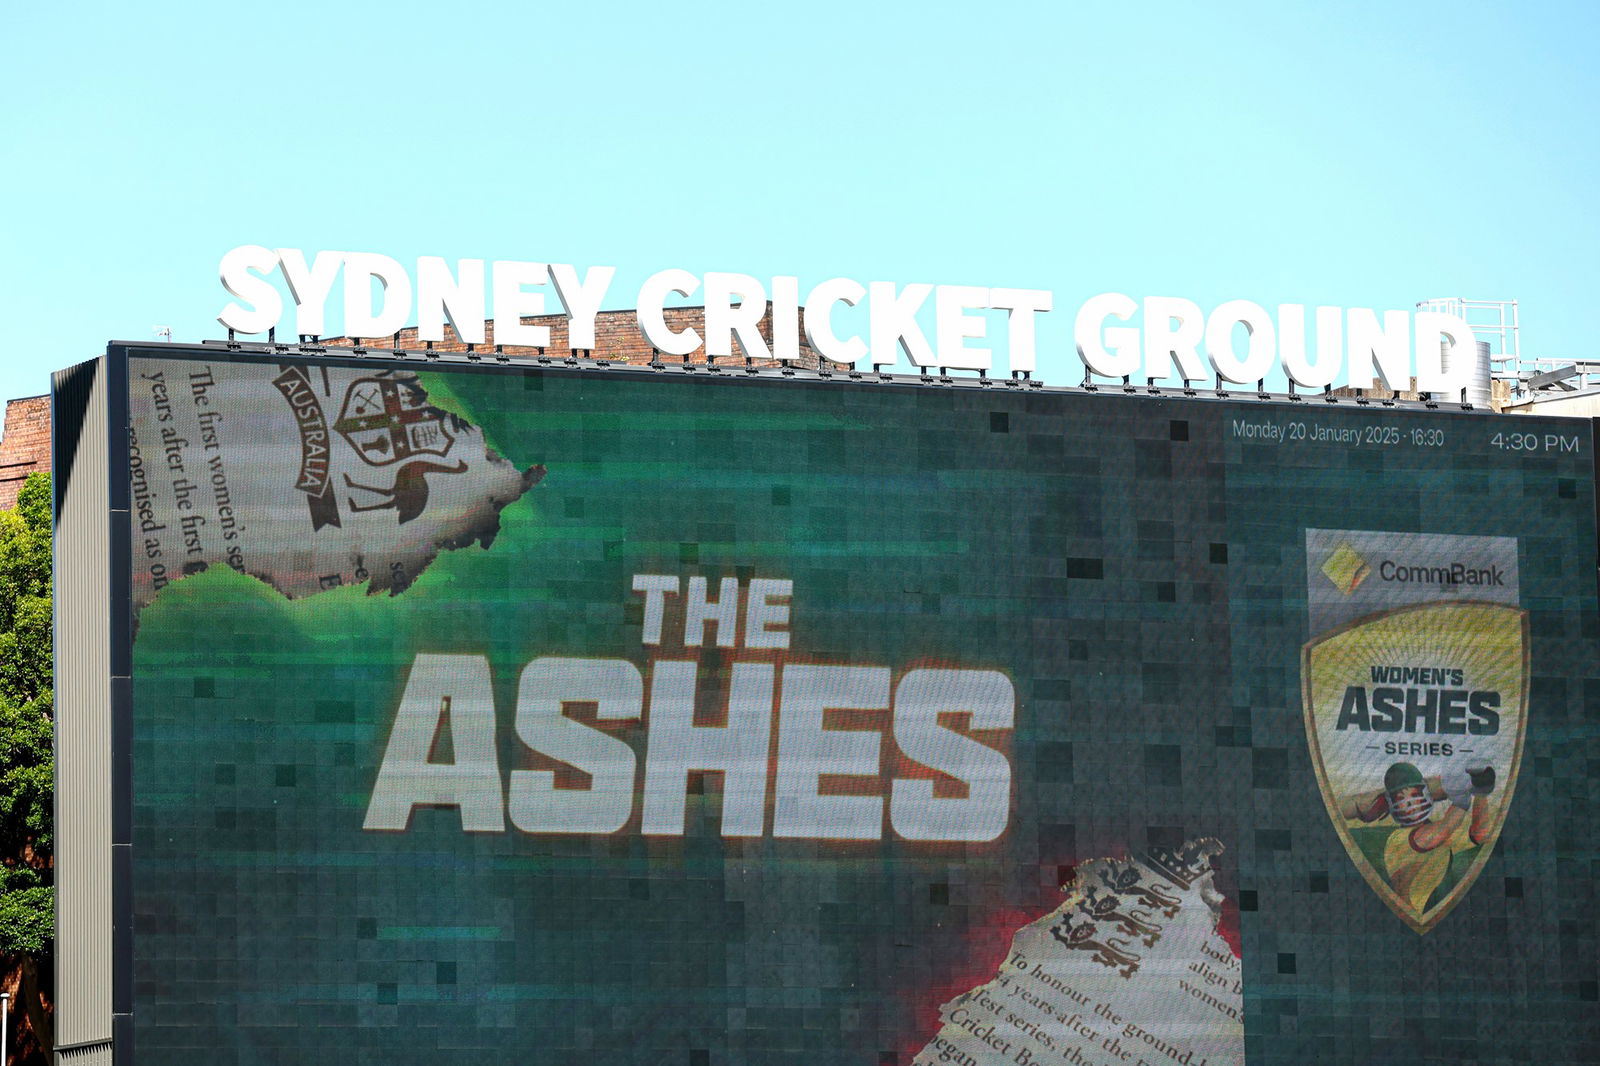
<point>442,688</point>
<point>309,287</point>
<point>1021,334</point>
<point>785,317</point>
<point>766,620</point>
<point>678,746</point>
<point>819,320</point>
<point>952,328</point>
<point>440,296</point>
<point>1385,346</point>
<point>267,305</point>
<point>652,316</point>
<point>894,323</point>
<point>920,698</point>
<point>697,611</point>
<point>548,684</point>
<point>1123,358</point>
<point>581,300</point>
<point>656,589</point>
<point>1173,327</point>
<point>807,750</point>
<point>359,319</point>
<point>1292,345</point>
<point>511,303</point>
<point>1431,373</point>
<point>1260,351</point>
<point>726,319</point>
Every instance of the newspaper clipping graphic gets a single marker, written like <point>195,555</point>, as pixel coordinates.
<point>1130,969</point>
<point>307,477</point>
<point>1415,686</point>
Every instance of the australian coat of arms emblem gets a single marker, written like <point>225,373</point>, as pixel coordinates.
<point>1415,717</point>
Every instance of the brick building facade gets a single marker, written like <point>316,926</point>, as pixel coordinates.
<point>24,445</point>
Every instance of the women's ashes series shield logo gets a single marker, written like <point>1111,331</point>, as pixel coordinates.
<point>1415,718</point>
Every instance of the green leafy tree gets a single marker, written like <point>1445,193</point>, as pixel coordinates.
<point>27,895</point>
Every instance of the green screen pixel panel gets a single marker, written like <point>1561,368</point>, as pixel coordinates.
<point>487,716</point>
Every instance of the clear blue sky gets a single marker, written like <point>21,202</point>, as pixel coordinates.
<point>1361,154</point>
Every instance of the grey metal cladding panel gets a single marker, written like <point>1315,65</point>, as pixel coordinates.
<point>86,1055</point>
<point>83,565</point>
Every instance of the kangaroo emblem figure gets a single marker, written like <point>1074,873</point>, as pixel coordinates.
<point>409,494</point>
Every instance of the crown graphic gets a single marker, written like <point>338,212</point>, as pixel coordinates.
<point>1345,568</point>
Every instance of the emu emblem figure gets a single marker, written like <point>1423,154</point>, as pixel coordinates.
<point>409,494</point>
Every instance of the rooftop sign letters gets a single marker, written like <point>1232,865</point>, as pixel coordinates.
<point>1159,338</point>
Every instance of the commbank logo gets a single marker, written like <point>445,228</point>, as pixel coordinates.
<point>1456,573</point>
<point>1345,568</point>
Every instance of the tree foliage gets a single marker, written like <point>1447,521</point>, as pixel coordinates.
<point>27,895</point>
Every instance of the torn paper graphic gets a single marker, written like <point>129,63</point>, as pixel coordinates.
<point>308,477</point>
<point>1130,969</point>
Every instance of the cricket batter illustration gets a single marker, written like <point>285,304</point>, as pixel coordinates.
<point>1422,834</point>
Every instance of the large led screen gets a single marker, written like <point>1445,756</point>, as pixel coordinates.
<point>521,715</point>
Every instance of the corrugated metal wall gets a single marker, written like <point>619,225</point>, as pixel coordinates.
<point>83,683</point>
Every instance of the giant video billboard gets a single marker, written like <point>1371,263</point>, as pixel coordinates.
<point>495,714</point>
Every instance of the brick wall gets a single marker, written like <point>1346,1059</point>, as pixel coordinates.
<point>617,338</point>
<point>24,446</point>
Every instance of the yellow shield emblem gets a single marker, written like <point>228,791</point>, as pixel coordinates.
<point>1415,718</point>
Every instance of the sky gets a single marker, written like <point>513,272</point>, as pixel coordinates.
<point>1353,154</point>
